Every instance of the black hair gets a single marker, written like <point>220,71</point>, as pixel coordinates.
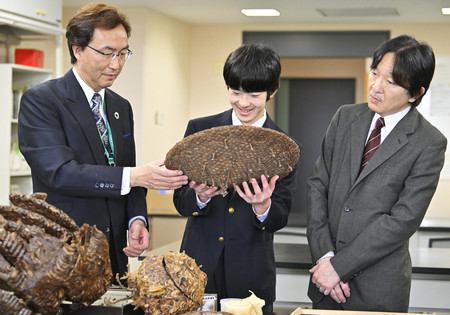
<point>414,64</point>
<point>253,68</point>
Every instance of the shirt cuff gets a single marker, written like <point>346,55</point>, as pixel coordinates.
<point>139,217</point>
<point>327,255</point>
<point>125,189</point>
<point>200,204</point>
<point>262,217</point>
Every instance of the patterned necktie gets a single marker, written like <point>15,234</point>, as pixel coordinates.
<point>373,143</point>
<point>96,104</point>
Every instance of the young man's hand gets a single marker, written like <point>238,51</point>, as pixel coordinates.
<point>260,197</point>
<point>204,192</point>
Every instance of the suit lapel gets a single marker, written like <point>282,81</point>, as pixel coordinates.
<point>113,114</point>
<point>396,140</point>
<point>359,130</point>
<point>224,119</point>
<point>81,110</point>
<point>269,123</point>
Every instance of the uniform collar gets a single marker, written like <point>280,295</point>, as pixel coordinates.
<point>259,123</point>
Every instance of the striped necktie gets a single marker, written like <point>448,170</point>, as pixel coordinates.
<point>96,105</point>
<point>373,143</point>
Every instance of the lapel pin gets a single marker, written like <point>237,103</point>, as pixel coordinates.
<point>116,115</point>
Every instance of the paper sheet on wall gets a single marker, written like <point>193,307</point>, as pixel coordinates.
<point>435,106</point>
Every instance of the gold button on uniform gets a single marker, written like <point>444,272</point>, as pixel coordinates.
<point>221,239</point>
<point>263,228</point>
<point>195,213</point>
<point>231,210</point>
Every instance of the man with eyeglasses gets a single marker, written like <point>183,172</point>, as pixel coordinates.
<point>77,136</point>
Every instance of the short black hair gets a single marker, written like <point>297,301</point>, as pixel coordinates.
<point>254,68</point>
<point>414,64</point>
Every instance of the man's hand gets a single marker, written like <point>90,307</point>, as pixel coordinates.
<point>138,239</point>
<point>340,292</point>
<point>324,276</point>
<point>154,176</point>
<point>259,198</point>
<point>204,193</point>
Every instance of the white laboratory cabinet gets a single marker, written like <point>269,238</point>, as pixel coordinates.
<point>20,21</point>
<point>47,11</point>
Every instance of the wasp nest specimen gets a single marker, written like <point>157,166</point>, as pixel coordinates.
<point>227,156</point>
<point>207,313</point>
<point>45,258</point>
<point>169,284</point>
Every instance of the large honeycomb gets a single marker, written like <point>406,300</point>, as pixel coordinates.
<point>169,284</point>
<point>45,258</point>
<point>227,156</point>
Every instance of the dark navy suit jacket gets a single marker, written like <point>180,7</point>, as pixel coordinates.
<point>247,243</point>
<point>59,139</point>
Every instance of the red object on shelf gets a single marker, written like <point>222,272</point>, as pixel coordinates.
<point>30,57</point>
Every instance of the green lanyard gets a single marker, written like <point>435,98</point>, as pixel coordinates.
<point>109,155</point>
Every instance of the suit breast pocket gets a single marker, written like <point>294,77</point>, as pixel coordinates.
<point>384,195</point>
<point>394,176</point>
<point>127,140</point>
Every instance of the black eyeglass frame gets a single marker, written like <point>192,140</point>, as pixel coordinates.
<point>113,55</point>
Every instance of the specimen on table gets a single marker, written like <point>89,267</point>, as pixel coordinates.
<point>45,258</point>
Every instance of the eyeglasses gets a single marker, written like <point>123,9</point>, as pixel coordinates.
<point>123,55</point>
